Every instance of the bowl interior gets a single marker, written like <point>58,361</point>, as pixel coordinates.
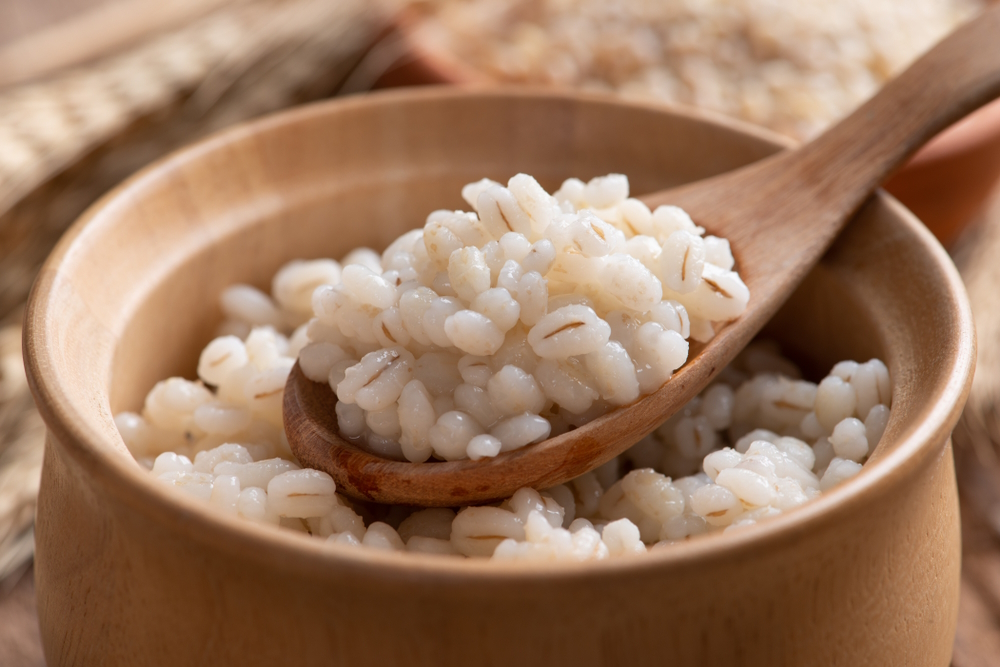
<point>131,295</point>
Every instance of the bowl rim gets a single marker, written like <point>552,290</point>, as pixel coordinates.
<point>121,478</point>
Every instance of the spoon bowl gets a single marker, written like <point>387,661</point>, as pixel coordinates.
<point>780,215</point>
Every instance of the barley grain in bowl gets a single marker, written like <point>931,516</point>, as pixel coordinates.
<point>487,331</point>
<point>810,586</point>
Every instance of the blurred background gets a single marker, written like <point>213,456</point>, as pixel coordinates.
<point>93,90</point>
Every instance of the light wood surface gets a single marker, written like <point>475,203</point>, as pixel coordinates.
<point>130,573</point>
<point>779,215</point>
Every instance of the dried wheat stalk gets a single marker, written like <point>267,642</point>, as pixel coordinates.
<point>21,436</point>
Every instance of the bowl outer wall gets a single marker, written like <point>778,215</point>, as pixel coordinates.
<point>88,451</point>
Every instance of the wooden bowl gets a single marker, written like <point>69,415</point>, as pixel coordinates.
<point>945,184</point>
<point>131,573</point>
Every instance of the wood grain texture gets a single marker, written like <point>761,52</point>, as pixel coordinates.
<point>867,574</point>
<point>779,215</point>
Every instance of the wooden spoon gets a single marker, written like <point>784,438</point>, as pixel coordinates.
<point>779,214</point>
